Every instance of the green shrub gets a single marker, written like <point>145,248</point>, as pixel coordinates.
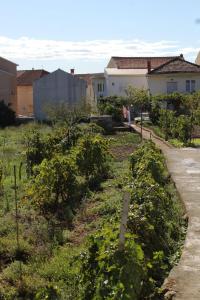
<point>154,216</point>
<point>109,273</point>
<point>91,156</point>
<point>54,188</point>
<point>183,129</point>
<point>112,106</point>
<point>148,161</point>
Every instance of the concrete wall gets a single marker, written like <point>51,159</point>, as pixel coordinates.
<point>158,83</point>
<point>8,89</point>
<point>25,100</point>
<point>57,88</point>
<point>116,85</point>
<point>8,83</point>
<point>8,66</point>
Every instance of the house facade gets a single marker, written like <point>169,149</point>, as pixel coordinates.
<point>124,71</point>
<point>8,82</point>
<point>177,75</point>
<point>117,80</point>
<point>25,81</point>
<point>158,75</point>
<point>57,88</point>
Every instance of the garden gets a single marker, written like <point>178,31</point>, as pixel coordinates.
<point>62,188</point>
<point>174,117</point>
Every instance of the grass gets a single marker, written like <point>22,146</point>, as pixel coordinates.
<point>196,142</point>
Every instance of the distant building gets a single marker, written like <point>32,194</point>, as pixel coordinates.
<point>95,87</point>
<point>8,82</point>
<point>176,75</point>
<point>25,79</point>
<point>124,71</point>
<point>57,88</point>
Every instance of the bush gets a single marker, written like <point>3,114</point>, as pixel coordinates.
<point>54,188</point>
<point>154,217</point>
<point>109,273</point>
<point>91,156</point>
<point>112,106</point>
<point>183,129</point>
<point>167,122</point>
<point>7,115</point>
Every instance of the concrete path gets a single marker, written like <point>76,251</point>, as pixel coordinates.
<point>183,282</point>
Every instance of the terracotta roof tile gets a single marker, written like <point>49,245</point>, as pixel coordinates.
<point>138,62</point>
<point>27,77</point>
<point>176,65</point>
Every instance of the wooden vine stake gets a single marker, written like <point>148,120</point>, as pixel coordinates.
<point>124,219</point>
<point>17,221</point>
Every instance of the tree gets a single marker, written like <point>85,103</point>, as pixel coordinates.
<point>139,99</point>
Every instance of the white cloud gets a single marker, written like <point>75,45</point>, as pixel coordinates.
<point>34,49</point>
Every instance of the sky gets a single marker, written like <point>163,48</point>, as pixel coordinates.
<point>84,34</point>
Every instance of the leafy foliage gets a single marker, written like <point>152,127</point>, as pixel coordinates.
<point>54,187</point>
<point>154,216</point>
<point>154,230</point>
<point>112,105</point>
<point>107,272</point>
<point>179,123</point>
<point>91,155</point>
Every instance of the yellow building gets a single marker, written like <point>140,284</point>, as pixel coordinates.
<point>8,82</point>
<point>25,81</point>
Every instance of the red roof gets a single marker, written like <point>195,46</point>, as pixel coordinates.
<point>27,77</point>
<point>139,62</point>
<point>176,65</point>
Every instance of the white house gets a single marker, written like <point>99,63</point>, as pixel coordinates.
<point>177,75</point>
<point>117,80</point>
<point>159,75</point>
<point>124,71</point>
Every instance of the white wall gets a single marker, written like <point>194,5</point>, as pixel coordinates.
<point>158,83</point>
<point>116,84</point>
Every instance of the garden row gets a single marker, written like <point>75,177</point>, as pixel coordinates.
<point>154,235</point>
<point>73,184</point>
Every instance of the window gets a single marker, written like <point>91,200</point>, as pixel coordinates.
<point>193,85</point>
<point>172,87</point>
<point>100,87</point>
<point>190,86</point>
<point>187,87</point>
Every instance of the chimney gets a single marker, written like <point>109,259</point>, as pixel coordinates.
<point>72,71</point>
<point>149,66</point>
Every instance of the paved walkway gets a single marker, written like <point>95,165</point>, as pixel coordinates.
<point>184,167</point>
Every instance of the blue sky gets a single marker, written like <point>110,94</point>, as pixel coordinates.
<point>83,34</point>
